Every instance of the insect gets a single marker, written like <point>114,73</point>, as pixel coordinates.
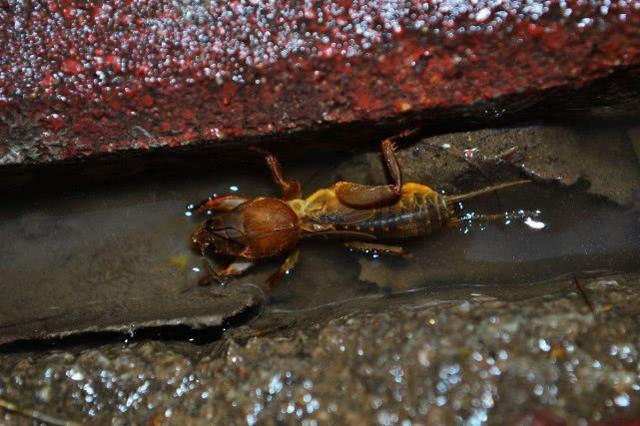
<point>364,216</point>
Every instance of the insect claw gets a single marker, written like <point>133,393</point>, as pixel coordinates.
<point>211,276</point>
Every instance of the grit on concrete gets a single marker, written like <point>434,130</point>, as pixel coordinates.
<point>435,360</point>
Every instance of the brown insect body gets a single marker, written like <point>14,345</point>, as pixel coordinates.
<point>419,212</point>
<point>252,230</point>
<point>264,227</point>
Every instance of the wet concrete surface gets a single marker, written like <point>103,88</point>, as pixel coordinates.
<point>424,358</point>
<point>601,156</point>
<point>96,268</point>
<point>116,257</point>
<point>473,328</point>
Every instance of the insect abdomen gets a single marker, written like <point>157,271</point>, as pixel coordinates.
<point>415,215</point>
<point>419,212</point>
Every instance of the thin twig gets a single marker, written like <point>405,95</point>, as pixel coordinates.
<point>34,414</point>
<point>583,294</point>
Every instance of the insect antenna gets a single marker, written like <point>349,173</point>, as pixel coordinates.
<point>453,199</point>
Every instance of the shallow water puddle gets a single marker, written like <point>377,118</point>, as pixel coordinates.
<point>117,257</point>
<point>580,234</point>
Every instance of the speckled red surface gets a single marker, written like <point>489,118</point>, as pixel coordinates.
<point>82,78</point>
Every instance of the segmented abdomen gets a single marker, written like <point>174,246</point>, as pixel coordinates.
<point>419,212</point>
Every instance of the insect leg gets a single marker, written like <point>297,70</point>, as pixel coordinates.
<point>290,188</point>
<point>388,148</point>
<point>288,264</point>
<point>367,247</point>
<point>238,267</point>
<point>359,196</point>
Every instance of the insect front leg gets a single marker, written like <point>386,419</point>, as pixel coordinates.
<point>359,196</point>
<point>290,188</point>
<point>237,268</point>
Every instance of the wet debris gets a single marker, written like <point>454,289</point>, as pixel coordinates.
<point>35,415</point>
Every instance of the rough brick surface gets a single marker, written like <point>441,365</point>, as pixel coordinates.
<point>83,78</point>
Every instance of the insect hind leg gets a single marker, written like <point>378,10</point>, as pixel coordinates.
<point>360,196</point>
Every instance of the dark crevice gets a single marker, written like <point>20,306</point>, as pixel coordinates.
<point>167,333</point>
<point>615,96</point>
